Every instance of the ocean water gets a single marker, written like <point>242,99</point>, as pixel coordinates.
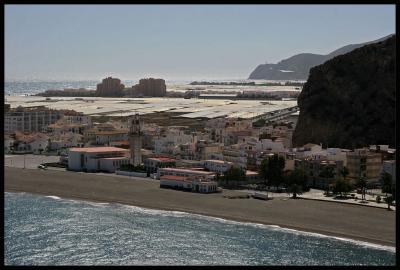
<point>32,87</point>
<point>47,230</point>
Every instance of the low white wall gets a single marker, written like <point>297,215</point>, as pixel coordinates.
<point>136,174</point>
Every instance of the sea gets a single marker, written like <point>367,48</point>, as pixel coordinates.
<point>32,87</point>
<point>48,230</point>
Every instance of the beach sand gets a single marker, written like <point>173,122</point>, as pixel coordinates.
<point>362,223</point>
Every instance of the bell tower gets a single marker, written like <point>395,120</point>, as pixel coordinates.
<point>135,140</point>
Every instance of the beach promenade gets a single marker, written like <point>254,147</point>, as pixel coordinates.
<point>343,220</point>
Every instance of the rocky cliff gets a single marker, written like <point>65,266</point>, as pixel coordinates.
<point>298,66</point>
<point>349,101</point>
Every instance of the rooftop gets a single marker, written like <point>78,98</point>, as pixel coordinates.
<point>97,149</point>
<point>218,161</point>
<point>162,159</point>
<point>186,171</point>
<point>173,177</point>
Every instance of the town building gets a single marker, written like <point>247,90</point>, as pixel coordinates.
<point>194,184</point>
<point>307,150</point>
<point>320,173</point>
<point>35,143</point>
<point>235,154</point>
<point>206,149</point>
<point>148,88</point>
<point>362,163</point>
<point>107,137</point>
<point>217,166</point>
<point>386,152</point>
<point>110,87</point>
<point>58,142</point>
<point>186,172</point>
<point>168,143</point>
<point>30,119</point>
<point>93,159</point>
<point>227,130</point>
<point>153,163</point>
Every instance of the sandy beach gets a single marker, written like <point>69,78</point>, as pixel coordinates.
<point>349,221</point>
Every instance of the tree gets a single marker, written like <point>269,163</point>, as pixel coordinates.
<point>296,182</point>
<point>271,170</point>
<point>362,184</point>
<point>344,172</point>
<point>387,187</point>
<point>327,172</point>
<point>342,186</point>
<point>234,174</point>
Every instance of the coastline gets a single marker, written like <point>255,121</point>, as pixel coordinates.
<point>375,226</point>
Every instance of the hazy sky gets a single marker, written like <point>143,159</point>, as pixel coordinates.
<point>177,41</point>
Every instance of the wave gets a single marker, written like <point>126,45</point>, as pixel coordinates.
<point>169,213</point>
<point>257,225</point>
<point>54,197</point>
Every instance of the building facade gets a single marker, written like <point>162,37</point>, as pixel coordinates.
<point>30,119</point>
<point>93,159</point>
<point>320,173</point>
<point>152,164</point>
<point>363,163</point>
<point>110,87</point>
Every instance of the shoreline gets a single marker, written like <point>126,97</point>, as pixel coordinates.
<point>94,189</point>
<point>361,241</point>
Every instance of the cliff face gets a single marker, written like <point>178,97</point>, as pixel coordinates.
<point>349,101</point>
<point>298,66</point>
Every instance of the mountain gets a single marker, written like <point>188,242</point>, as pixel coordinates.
<point>298,66</point>
<point>349,101</point>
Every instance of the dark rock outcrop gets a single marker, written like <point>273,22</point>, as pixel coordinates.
<point>349,101</point>
<point>298,66</point>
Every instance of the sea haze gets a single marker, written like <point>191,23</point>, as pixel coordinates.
<point>41,230</point>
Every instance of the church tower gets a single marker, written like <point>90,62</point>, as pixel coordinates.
<point>135,140</point>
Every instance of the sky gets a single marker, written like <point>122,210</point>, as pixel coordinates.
<point>177,42</point>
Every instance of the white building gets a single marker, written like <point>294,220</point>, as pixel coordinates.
<point>218,166</point>
<point>35,143</point>
<point>185,172</point>
<point>188,183</point>
<point>270,145</point>
<point>235,154</point>
<point>307,150</point>
<point>169,142</point>
<point>94,159</point>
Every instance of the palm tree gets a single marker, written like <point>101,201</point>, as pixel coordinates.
<point>295,189</point>
<point>362,184</point>
<point>296,181</point>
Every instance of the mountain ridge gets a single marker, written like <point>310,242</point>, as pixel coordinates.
<point>300,64</point>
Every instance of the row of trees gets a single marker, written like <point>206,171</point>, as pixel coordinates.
<point>271,171</point>
<point>342,187</point>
